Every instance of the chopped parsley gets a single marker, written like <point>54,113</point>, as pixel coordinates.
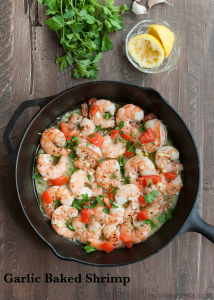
<point>36,176</point>
<point>149,222</point>
<point>98,128</point>
<point>107,116</point>
<point>89,177</point>
<point>72,156</point>
<point>100,161</point>
<point>117,139</point>
<point>57,203</point>
<point>126,179</point>
<point>114,189</point>
<point>78,204</point>
<point>92,135</point>
<point>106,210</point>
<point>99,186</point>
<point>121,124</point>
<point>150,183</point>
<point>132,134</point>
<point>141,128</point>
<point>166,216</point>
<point>70,226</point>
<point>88,144</point>
<point>151,196</point>
<point>99,200</point>
<point>88,248</point>
<point>113,205</point>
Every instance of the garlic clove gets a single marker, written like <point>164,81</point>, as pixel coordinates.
<point>153,2</point>
<point>138,9</point>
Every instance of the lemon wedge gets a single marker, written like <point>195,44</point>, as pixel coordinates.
<point>165,37</point>
<point>146,50</point>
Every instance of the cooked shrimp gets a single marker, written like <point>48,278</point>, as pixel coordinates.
<point>80,184</point>
<point>136,232</point>
<point>102,107</point>
<point>111,149</point>
<point>87,127</point>
<point>112,234</point>
<point>155,207</point>
<point>116,215</point>
<point>46,168</point>
<point>160,135</point>
<point>52,141</point>
<point>169,186</point>
<point>139,165</point>
<point>130,114</point>
<point>57,193</point>
<point>80,127</point>
<point>108,173</point>
<point>59,218</point>
<point>128,192</point>
<point>88,156</point>
<point>167,158</point>
<point>100,216</point>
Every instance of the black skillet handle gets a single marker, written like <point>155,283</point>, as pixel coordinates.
<point>41,102</point>
<point>196,224</point>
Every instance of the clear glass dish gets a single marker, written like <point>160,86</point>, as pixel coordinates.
<point>141,28</point>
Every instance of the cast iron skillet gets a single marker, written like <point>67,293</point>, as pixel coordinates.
<point>185,216</point>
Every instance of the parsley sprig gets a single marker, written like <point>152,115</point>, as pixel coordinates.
<point>82,27</point>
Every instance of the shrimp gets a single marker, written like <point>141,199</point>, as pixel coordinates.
<point>112,150</point>
<point>53,141</point>
<point>108,173</point>
<point>112,234</point>
<point>130,114</point>
<point>116,215</point>
<point>102,107</point>
<point>46,168</point>
<point>128,192</point>
<point>167,158</point>
<point>59,218</point>
<point>135,232</point>
<point>57,193</point>
<point>139,165</point>
<point>80,184</point>
<point>155,207</point>
<point>160,135</point>
<point>169,186</point>
<point>88,156</point>
<point>81,127</point>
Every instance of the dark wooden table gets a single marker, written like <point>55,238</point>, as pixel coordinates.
<point>28,71</point>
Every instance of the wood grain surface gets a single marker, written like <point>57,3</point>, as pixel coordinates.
<point>28,50</point>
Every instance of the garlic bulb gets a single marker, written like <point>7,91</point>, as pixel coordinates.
<point>138,9</point>
<point>153,2</point>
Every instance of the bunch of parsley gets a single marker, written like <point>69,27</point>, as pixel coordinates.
<point>82,27</point>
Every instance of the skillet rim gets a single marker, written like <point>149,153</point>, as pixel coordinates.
<point>81,86</point>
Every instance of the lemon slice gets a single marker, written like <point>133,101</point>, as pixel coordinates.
<point>165,37</point>
<point>146,50</point>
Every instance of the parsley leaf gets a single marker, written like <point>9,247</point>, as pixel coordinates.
<point>89,177</point>
<point>88,144</point>
<point>121,124</point>
<point>151,196</point>
<point>91,135</point>
<point>100,161</point>
<point>70,226</point>
<point>99,200</point>
<point>132,134</point>
<point>150,183</point>
<point>166,216</point>
<point>114,189</point>
<point>106,210</point>
<point>88,248</point>
<point>98,128</point>
<point>78,203</point>
<point>107,116</point>
<point>148,221</point>
<point>113,205</point>
<point>36,176</point>
<point>57,203</point>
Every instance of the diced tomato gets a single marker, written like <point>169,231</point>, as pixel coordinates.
<point>128,244</point>
<point>96,139</point>
<point>170,175</point>
<point>94,109</point>
<point>147,137</point>
<point>114,133</point>
<point>58,181</point>
<point>128,154</point>
<point>143,215</point>
<point>125,136</point>
<point>91,101</point>
<point>68,133</point>
<point>142,201</point>
<point>144,180</point>
<point>124,237</point>
<point>107,247</point>
<point>47,197</point>
<point>110,194</point>
<point>86,215</point>
<point>149,117</point>
<point>107,202</point>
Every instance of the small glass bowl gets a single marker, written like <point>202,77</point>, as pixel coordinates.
<point>142,27</point>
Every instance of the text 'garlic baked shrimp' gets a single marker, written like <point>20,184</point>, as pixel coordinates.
<point>88,156</point>
<point>48,170</point>
<point>82,183</point>
<point>52,141</point>
<point>97,113</point>
<point>57,193</point>
<point>108,174</point>
<point>59,218</point>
